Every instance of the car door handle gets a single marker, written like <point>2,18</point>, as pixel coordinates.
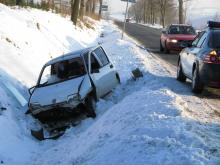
<point>111,66</point>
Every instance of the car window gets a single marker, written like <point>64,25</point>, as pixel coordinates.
<point>45,75</point>
<point>195,42</point>
<point>102,56</point>
<point>62,71</point>
<point>214,41</point>
<point>201,40</point>
<point>94,63</point>
<point>182,30</point>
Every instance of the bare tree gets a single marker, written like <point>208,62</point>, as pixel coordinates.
<point>164,5</point>
<point>75,4</point>
<point>100,8</point>
<point>82,9</point>
<point>153,11</point>
<point>182,11</point>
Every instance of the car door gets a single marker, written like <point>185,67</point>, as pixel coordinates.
<point>186,58</point>
<point>107,69</point>
<point>94,70</point>
<point>193,52</point>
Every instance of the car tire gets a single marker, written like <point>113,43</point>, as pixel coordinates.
<point>166,50</point>
<point>197,86</point>
<point>161,47</point>
<point>90,106</point>
<point>180,75</point>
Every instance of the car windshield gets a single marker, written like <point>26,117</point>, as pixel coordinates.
<point>182,30</point>
<point>62,71</point>
<point>214,41</point>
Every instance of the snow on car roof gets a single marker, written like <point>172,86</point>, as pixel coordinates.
<point>70,55</point>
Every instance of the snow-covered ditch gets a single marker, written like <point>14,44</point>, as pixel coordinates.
<point>153,120</point>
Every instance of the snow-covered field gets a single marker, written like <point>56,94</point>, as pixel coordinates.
<point>153,120</point>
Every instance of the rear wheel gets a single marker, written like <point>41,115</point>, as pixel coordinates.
<point>180,75</point>
<point>91,106</point>
<point>197,86</point>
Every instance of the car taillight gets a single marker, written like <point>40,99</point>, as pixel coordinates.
<point>212,58</point>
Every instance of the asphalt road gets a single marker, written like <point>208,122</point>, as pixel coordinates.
<point>149,38</point>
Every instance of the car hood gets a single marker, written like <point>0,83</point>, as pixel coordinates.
<point>56,93</point>
<point>182,37</point>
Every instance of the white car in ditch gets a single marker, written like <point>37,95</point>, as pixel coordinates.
<point>72,82</point>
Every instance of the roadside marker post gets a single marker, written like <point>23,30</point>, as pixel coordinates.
<point>126,12</point>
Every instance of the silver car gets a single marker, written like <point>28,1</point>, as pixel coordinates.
<point>72,82</point>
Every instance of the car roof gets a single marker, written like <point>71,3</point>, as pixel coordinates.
<point>70,55</point>
<point>180,25</point>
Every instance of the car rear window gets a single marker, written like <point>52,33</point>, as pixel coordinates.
<point>182,30</point>
<point>214,41</point>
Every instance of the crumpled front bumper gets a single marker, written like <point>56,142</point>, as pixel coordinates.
<point>36,109</point>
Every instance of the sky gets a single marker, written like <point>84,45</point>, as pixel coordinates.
<point>204,7</point>
<point>116,6</point>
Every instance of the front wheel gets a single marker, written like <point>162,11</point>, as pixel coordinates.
<point>166,50</point>
<point>91,106</point>
<point>161,47</point>
<point>180,75</point>
<point>197,86</point>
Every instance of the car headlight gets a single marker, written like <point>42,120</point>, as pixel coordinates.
<point>174,41</point>
<point>72,98</point>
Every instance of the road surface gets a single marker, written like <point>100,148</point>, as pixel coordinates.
<point>149,38</point>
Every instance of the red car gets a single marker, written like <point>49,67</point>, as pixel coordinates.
<point>176,36</point>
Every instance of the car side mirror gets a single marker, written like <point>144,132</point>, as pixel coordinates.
<point>31,90</point>
<point>164,32</point>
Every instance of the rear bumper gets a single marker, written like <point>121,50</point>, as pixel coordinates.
<point>210,74</point>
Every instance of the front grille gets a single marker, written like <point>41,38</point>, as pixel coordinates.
<point>185,42</point>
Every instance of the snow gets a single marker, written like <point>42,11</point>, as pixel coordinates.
<point>153,120</point>
<point>155,26</point>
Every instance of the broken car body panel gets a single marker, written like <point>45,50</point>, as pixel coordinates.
<point>66,81</point>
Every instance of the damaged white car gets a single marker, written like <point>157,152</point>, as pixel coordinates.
<point>73,82</point>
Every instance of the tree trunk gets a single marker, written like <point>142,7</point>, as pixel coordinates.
<point>181,12</point>
<point>75,11</point>
<point>93,6</point>
<point>82,9</point>
<point>100,9</point>
<point>145,12</point>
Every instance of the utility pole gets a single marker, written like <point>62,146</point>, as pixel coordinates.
<point>126,11</point>
<point>181,12</point>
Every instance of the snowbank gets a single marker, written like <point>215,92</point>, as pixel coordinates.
<point>146,124</point>
<point>29,38</point>
<point>154,120</point>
